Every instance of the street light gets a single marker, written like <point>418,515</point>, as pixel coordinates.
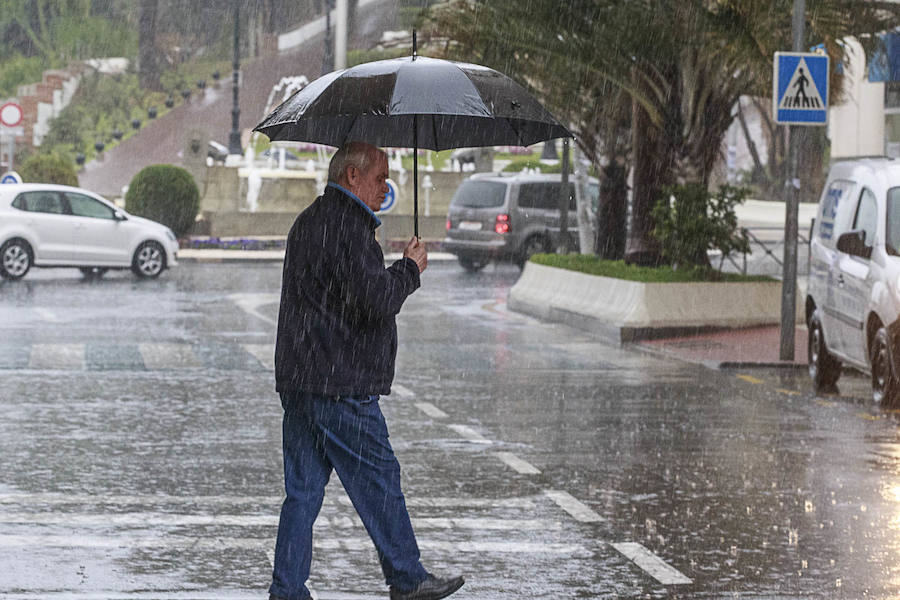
<point>151,112</point>
<point>135,123</point>
<point>234,138</point>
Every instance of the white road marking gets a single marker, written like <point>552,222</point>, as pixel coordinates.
<point>652,564</point>
<point>517,464</point>
<point>264,353</point>
<point>47,315</point>
<point>573,506</point>
<point>250,303</point>
<point>175,542</point>
<point>56,356</point>
<point>169,356</point>
<point>144,519</point>
<point>431,410</point>
<point>470,434</point>
<point>402,390</point>
<point>51,499</point>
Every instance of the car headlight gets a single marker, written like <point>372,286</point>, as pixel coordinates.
<point>170,234</point>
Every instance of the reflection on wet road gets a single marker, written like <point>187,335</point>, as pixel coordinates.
<point>141,445</point>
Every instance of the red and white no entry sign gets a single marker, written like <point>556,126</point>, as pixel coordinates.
<point>10,114</point>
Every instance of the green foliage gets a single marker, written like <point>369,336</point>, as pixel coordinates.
<point>167,194</point>
<point>19,70</point>
<point>358,57</point>
<point>48,168</point>
<point>102,104</point>
<point>690,221</point>
<point>532,163</point>
<point>593,265</point>
<point>75,37</point>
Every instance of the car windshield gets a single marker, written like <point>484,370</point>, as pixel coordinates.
<point>479,194</point>
<point>892,241</point>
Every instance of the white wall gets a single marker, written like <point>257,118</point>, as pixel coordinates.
<point>856,126</point>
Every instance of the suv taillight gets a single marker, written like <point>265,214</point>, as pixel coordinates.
<point>448,224</point>
<point>502,224</point>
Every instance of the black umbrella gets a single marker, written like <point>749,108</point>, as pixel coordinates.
<point>413,102</point>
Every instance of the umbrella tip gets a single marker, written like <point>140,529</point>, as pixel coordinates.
<point>415,50</point>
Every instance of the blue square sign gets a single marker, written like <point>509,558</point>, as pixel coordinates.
<point>800,88</point>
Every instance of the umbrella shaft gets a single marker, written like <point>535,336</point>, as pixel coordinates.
<point>415,177</point>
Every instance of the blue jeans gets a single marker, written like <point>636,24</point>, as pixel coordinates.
<point>349,435</point>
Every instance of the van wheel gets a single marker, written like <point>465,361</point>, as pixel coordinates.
<point>824,369</point>
<point>149,260</point>
<point>885,387</point>
<point>472,265</point>
<point>16,259</point>
<point>533,245</point>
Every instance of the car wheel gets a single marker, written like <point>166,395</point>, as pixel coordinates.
<point>533,245</point>
<point>149,260</point>
<point>93,272</point>
<point>16,259</point>
<point>824,369</point>
<point>472,265</point>
<point>885,387</point>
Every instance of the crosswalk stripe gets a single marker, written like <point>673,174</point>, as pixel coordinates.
<point>169,356</point>
<point>56,356</point>
<point>431,410</point>
<point>469,434</point>
<point>517,464</point>
<point>261,544</point>
<point>143,519</point>
<point>573,506</point>
<point>331,499</point>
<point>264,353</point>
<point>652,564</point>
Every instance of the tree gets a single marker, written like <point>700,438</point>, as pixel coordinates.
<point>148,54</point>
<point>682,64</point>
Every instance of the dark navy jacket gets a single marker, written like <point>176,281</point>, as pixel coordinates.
<point>336,329</point>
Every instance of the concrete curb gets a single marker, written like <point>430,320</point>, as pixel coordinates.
<point>195,255</point>
<point>632,311</point>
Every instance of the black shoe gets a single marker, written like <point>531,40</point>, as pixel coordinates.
<point>432,588</point>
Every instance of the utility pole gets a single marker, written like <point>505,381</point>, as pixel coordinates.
<point>328,56</point>
<point>234,138</point>
<point>791,204</point>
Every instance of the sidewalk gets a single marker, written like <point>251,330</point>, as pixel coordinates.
<point>734,348</point>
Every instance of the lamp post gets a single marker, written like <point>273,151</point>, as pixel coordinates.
<point>328,56</point>
<point>234,138</point>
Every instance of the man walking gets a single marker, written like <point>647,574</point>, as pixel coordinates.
<point>334,357</point>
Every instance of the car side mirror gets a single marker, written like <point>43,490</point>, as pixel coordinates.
<point>119,216</point>
<point>854,243</point>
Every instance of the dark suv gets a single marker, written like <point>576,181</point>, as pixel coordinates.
<point>509,217</point>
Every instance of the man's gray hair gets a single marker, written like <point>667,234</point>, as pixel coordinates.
<point>357,154</point>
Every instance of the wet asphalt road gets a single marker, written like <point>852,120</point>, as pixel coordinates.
<point>140,444</point>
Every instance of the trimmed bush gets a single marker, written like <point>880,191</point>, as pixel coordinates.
<point>48,168</point>
<point>167,194</point>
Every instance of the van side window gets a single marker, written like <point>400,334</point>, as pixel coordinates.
<point>833,214</point>
<point>543,196</point>
<point>867,216</point>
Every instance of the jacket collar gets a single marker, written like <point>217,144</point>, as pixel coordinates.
<point>357,199</point>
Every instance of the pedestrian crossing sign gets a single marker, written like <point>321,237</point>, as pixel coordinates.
<point>800,88</point>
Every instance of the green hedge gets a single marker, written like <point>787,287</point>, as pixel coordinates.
<point>592,265</point>
<point>167,194</point>
<point>48,168</point>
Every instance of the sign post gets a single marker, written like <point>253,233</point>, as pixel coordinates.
<point>799,98</point>
<point>10,121</point>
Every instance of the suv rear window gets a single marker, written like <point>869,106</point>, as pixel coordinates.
<point>479,194</point>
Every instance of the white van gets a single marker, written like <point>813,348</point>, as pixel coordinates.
<point>853,300</point>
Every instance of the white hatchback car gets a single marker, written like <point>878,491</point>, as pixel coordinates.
<point>853,300</point>
<point>46,225</point>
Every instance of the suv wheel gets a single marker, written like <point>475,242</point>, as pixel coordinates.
<point>885,387</point>
<point>533,245</point>
<point>472,265</point>
<point>824,369</point>
<point>15,259</point>
<point>149,260</point>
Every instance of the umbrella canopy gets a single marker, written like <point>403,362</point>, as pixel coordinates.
<point>413,102</point>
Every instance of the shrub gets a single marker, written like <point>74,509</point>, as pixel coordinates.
<point>518,165</point>
<point>690,221</point>
<point>167,194</point>
<point>48,168</point>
